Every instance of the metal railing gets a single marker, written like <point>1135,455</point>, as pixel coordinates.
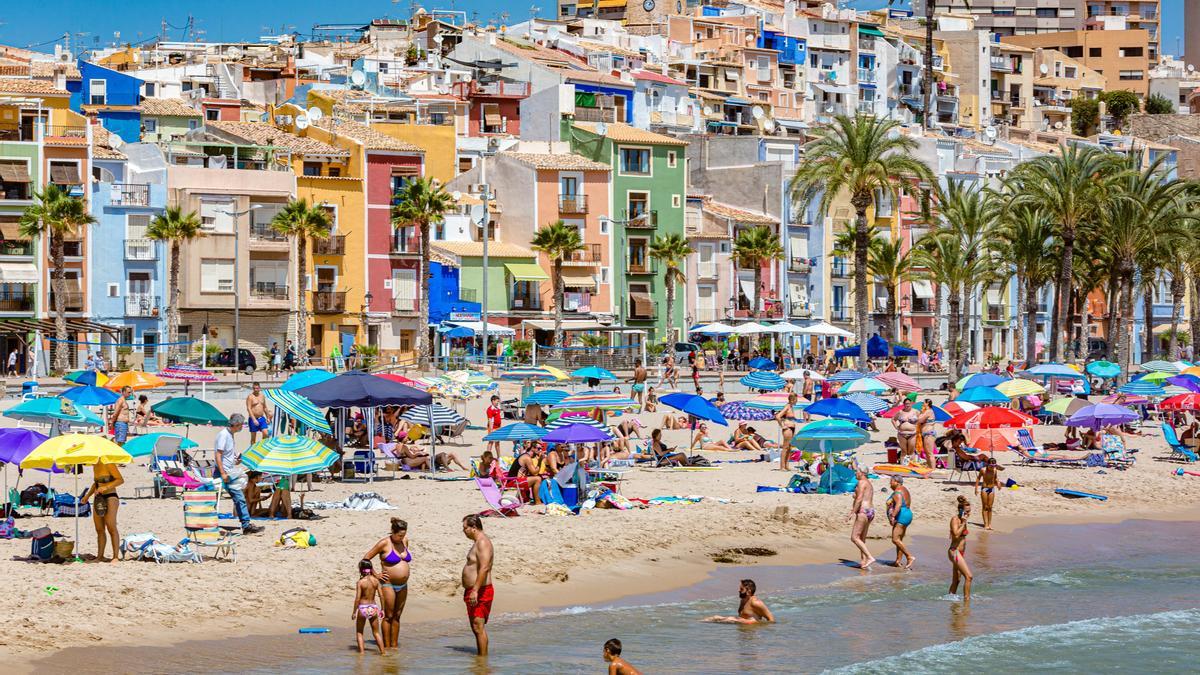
<point>335,244</point>
<point>608,115</point>
<point>130,194</point>
<point>644,220</point>
<point>866,106</point>
<point>65,131</point>
<point>141,305</point>
<point>264,232</point>
<point>525,302</point>
<point>646,265</point>
<point>268,290</point>
<point>329,302</point>
<point>800,265</point>
<point>140,249</point>
<point>707,270</point>
<point>17,300</point>
<point>590,253</point>
<point>866,44</point>
<point>16,247</point>
<point>841,268</point>
<point>502,89</point>
<point>406,245</point>
<point>867,75</point>
<point>572,204</point>
<point>1001,64</point>
<point>801,310</point>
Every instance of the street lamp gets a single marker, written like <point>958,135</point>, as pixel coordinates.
<point>366,308</point>
<point>237,276</point>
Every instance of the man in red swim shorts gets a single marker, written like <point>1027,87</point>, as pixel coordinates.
<point>477,581</point>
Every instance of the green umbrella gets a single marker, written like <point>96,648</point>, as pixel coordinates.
<point>189,410</point>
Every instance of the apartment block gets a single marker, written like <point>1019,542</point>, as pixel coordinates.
<point>1014,17</point>
<point>1121,56</point>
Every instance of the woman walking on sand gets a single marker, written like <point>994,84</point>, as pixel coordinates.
<point>787,427</point>
<point>394,558</point>
<point>862,512</point>
<point>987,482</point>
<point>958,548</point>
<point>103,491</point>
<point>900,515</point>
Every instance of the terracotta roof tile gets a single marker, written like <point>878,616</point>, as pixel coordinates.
<point>258,133</point>
<point>168,107</point>
<point>738,214</point>
<point>13,85</point>
<point>370,138</point>
<point>102,144</point>
<point>623,133</point>
<point>474,249</point>
<point>567,162</point>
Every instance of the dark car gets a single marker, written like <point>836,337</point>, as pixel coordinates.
<point>246,360</point>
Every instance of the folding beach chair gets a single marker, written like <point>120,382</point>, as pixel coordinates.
<point>501,505</point>
<point>958,466</point>
<point>1179,451</point>
<point>201,523</point>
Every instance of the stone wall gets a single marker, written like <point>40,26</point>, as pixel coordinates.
<point>1158,127</point>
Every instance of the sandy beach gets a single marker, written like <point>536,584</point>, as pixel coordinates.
<point>541,560</point>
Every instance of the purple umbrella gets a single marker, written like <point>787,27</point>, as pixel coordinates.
<point>577,433</point>
<point>16,443</point>
<point>1102,414</point>
<point>1189,382</point>
<point>738,410</point>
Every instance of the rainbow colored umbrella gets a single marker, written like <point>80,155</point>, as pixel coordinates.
<point>866,385</point>
<point>596,398</point>
<point>775,400</point>
<point>288,456</point>
<point>298,408</point>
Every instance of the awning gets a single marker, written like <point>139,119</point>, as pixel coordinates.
<point>477,327</point>
<point>46,326</point>
<point>733,100</point>
<point>571,324</point>
<point>492,119</point>
<point>14,171</point>
<point>577,278</point>
<point>870,30</point>
<point>18,273</point>
<point>606,4</point>
<point>791,124</point>
<point>642,304</point>
<point>526,272</point>
<point>912,102</point>
<point>833,88</point>
<point>747,287</point>
<point>10,229</point>
<point>993,298</point>
<point>922,289</point>
<point>65,174</point>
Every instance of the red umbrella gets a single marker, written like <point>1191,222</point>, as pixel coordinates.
<point>1181,402</point>
<point>992,440</point>
<point>899,381</point>
<point>991,417</point>
<point>401,379</point>
<point>959,407</point>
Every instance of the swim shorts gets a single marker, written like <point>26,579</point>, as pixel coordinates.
<point>258,424</point>
<point>483,608</point>
<point>120,431</point>
<point>638,386</point>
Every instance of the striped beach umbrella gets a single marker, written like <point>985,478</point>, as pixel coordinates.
<point>92,377</point>
<point>798,374</point>
<point>517,432</point>
<point>298,408</point>
<point>846,376</point>
<point>773,401</point>
<point>474,379</point>
<point>739,410</point>
<point>979,380</point>
<point>1156,377</point>
<point>596,398</point>
<point>530,373</point>
<point>288,456</point>
<point>187,372</point>
<point>1125,399</point>
<point>898,381</point>
<point>1019,387</point>
<point>1067,406</point>
<point>868,385</point>
<point>564,420</point>
<point>546,397</point>
<point>458,391</point>
<point>959,407</point>
<point>763,379</point>
<point>442,416</point>
<point>1141,388</point>
<point>869,402</point>
<point>1172,367</point>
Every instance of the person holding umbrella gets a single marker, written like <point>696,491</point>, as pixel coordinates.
<point>103,490</point>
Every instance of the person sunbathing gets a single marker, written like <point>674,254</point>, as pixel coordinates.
<point>626,430</point>
<point>631,453</point>
<point>705,443</point>
<point>672,421</point>
<point>968,461</point>
<point>529,469</point>
<point>662,454</point>
<point>743,439</point>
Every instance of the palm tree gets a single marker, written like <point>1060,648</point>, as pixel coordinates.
<point>56,214</point>
<point>890,263</point>
<point>300,220</point>
<point>672,250</point>
<point>176,227</point>
<point>1024,241</point>
<point>558,241</point>
<point>422,203</point>
<point>862,156</point>
<point>1072,188</point>
<point>754,248</point>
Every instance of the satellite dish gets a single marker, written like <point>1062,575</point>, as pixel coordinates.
<point>769,126</point>
<point>1043,69</point>
<point>301,121</point>
<point>358,78</point>
<point>234,53</point>
<point>314,114</point>
<point>602,128</point>
<point>115,142</point>
<point>1058,125</point>
<point>990,132</point>
<point>757,112</point>
<point>456,195</point>
<point>828,110</point>
<point>708,110</point>
<point>1191,68</point>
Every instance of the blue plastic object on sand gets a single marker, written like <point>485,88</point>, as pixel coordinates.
<point>313,631</point>
<point>1076,494</point>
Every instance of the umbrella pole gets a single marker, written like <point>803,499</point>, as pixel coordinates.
<point>432,442</point>
<point>78,558</point>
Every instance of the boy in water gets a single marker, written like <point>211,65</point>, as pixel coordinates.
<point>751,610</point>
<point>616,664</point>
<point>366,607</point>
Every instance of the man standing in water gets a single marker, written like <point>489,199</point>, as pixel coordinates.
<point>257,413</point>
<point>477,581</point>
<point>639,384</point>
<point>861,515</point>
<point>751,610</point>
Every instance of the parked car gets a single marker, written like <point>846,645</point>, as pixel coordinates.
<point>246,360</point>
<point>682,349</point>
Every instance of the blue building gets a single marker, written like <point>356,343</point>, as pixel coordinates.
<point>128,277</point>
<point>111,96</point>
<point>443,295</point>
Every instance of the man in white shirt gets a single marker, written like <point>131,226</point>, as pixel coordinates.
<point>229,465</point>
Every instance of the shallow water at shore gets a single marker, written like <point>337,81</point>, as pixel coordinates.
<point>1065,598</point>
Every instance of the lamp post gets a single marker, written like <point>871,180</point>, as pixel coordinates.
<point>366,309</point>
<point>237,291</point>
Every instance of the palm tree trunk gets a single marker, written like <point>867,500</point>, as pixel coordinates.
<point>1064,289</point>
<point>423,347</point>
<point>952,353</point>
<point>59,286</point>
<point>1118,324</point>
<point>1177,289</point>
<point>964,325</point>
<point>1110,327</point>
<point>936,332</point>
<point>302,304</point>
<point>670,284</point>
<point>1125,350</point>
<point>861,297</point>
<point>1194,313</point>
<point>891,324</point>
<point>1082,350</point>
<point>1019,338</point>
<point>1031,293</point>
<point>173,306</point>
<point>559,336</point>
<point>1148,340</point>
<point>757,298</point>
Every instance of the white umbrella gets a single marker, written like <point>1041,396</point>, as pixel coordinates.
<point>786,327</point>
<point>825,328</point>
<point>751,329</point>
<point>717,328</point>
<point>798,374</point>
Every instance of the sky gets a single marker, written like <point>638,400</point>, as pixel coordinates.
<point>40,24</point>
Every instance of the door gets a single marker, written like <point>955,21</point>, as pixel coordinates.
<point>326,279</point>
<point>150,351</point>
<point>347,338</point>
<point>570,186</point>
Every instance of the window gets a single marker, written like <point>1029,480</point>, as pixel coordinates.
<point>97,92</point>
<point>149,126</point>
<point>136,225</point>
<point>138,283</point>
<point>114,290</point>
<point>1046,13</point>
<point>216,276</point>
<point>1132,75</point>
<point>676,202</point>
<point>493,123</point>
<point>214,215</point>
<point>312,168</point>
<point>1132,52</point>
<point>150,88</point>
<point>671,159</point>
<point>269,278</point>
<point>1073,52</point>
<point>65,173</point>
<point>638,204</point>
<point>402,175</point>
<point>193,124</point>
<point>1095,52</point>
<point>212,115</point>
<point>635,161</point>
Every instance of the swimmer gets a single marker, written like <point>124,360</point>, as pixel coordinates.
<point>616,664</point>
<point>751,610</point>
<point>958,548</point>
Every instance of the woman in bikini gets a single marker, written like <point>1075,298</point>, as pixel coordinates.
<point>905,421</point>
<point>900,515</point>
<point>925,433</point>
<point>105,481</point>
<point>862,512</point>
<point>787,426</point>
<point>701,440</point>
<point>958,548</point>
<point>987,482</point>
<point>744,440</point>
<point>394,557</point>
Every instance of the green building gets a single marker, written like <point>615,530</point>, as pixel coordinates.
<point>649,180</point>
<point>166,118</point>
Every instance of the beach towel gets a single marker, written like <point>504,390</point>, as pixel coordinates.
<point>359,501</point>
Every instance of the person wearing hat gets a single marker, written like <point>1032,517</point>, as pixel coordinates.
<point>233,473</point>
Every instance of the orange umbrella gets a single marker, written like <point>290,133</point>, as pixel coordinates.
<point>134,379</point>
<point>991,440</point>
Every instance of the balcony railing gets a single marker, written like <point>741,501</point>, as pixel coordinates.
<point>644,220</point>
<point>515,89</point>
<point>707,315</point>
<point>922,306</point>
<point>572,204</point>
<point>407,305</point>
<point>141,305</point>
<point>525,302</point>
<point>590,253</point>
<point>840,313</point>
<point>406,244</point>
<point>130,194</point>
<point>66,131</point>
<point>72,301</point>
<point>140,249</point>
<point>17,300</point>
<point>1001,64</point>
<point>800,265</point>
<point>268,290</point>
<point>866,75</point>
<point>866,107</point>
<point>264,232</point>
<point>608,115</point>
<point>707,270</point>
<point>335,244</point>
<point>329,302</point>
<point>841,268</point>
<point>801,310</point>
<point>16,247</point>
<point>646,265</point>
<point>866,44</point>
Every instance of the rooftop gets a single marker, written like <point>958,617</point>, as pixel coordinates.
<point>474,249</point>
<point>623,133</point>
<point>258,133</point>
<point>567,162</point>
<point>102,144</point>
<point>738,214</point>
<point>370,138</point>
<point>167,107</point>
<point>15,85</point>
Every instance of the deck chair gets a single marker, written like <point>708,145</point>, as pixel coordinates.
<point>501,505</point>
<point>201,523</point>
<point>959,466</point>
<point>1115,452</point>
<point>1179,451</point>
<point>1060,460</point>
<point>363,463</point>
<point>456,431</point>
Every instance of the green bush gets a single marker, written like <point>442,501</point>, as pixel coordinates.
<point>1085,116</point>
<point>1159,105</point>
<point>1121,104</point>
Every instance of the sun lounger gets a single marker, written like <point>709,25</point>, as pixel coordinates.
<point>1074,460</point>
<point>1179,451</point>
<point>201,523</point>
<point>1115,452</point>
<point>501,505</point>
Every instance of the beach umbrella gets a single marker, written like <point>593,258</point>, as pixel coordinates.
<point>939,414</point>
<point>979,380</point>
<point>1174,390</point>
<point>991,440</point>
<point>530,373</point>
<point>1171,367</point>
<point>798,374</point>
<point>518,431</point>
<point>991,418</point>
<point>577,433</point>
<point>1181,402</point>
<point>434,414</point>
<point>459,332</point>
<point>1102,414</point>
<point>15,445</point>
<point>1141,388</point>
<point>190,410</point>
<point>50,408</point>
<point>738,410</point>
<point>187,372</point>
<point>356,389</point>
<point>1189,383</point>
<point>431,384</point>
<point>838,408</point>
<point>143,446</point>
<point>1019,387</point>
<point>393,377</point>
<point>288,456</point>
<point>592,399</point>
<point>1103,369</point>
<point>458,391</point>
<point>473,379</point>
<point>869,402</point>
<point>982,395</point>
<point>898,381</point>
<point>717,328</point>
<point>1156,377</point>
<point>92,377</point>
<point>1046,370</point>
<point>1191,370</point>
<point>826,437</point>
<point>298,408</point>
<point>545,397</point>
<point>959,407</point>
<point>1125,399</point>
<point>1066,406</point>
<point>774,400</point>
<point>763,379</point>
<point>867,385</point>
<point>761,363</point>
<point>306,378</point>
<point>574,418</point>
<point>845,376</point>
<point>136,380</point>
<point>593,373</point>
<point>696,406</point>
<point>86,394</point>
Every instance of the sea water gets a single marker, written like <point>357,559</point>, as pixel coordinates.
<point>1098,598</point>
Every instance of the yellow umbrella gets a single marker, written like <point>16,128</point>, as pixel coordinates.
<point>136,380</point>
<point>1019,387</point>
<point>1194,370</point>
<point>558,373</point>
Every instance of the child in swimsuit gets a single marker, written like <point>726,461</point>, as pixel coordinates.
<point>366,605</point>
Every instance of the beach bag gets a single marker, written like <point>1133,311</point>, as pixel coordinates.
<point>64,507</point>
<point>63,550</point>
<point>34,495</point>
<point>7,527</point>
<point>42,544</point>
<point>697,460</point>
<point>297,537</point>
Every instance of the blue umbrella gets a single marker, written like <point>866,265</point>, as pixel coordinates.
<point>762,363</point>
<point>143,446</point>
<point>868,402</point>
<point>87,394</point>
<point>86,377</point>
<point>1103,369</point>
<point>1188,382</point>
<point>459,332</point>
<point>356,389</point>
<point>838,408</point>
<point>593,373</point>
<point>306,377</point>
<point>980,380</point>
<point>738,410</point>
<point>517,432</point>
<point>763,379</point>
<point>1140,388</point>
<point>1102,414</point>
<point>696,406</point>
<point>846,376</point>
<point>982,395</point>
<point>836,435</point>
<point>577,433</point>
<point>546,397</point>
<point>1045,370</point>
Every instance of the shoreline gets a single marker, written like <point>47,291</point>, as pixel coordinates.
<point>660,572</point>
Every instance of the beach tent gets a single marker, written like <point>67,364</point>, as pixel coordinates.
<point>877,348</point>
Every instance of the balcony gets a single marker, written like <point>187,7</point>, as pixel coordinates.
<point>406,243</point>
<point>646,265</point>
<point>406,306</point>
<point>707,270</point>
<point>607,115</point>
<point>801,310</point>
<point>141,305</point>
<point>329,302</point>
<point>841,268</point>
<point>707,315</point>
<point>20,247</point>
<point>1001,64</point>
<point>800,266</point>
<point>866,44</point>
<point>866,107</point>
<point>17,300</point>
<point>525,302</point>
<point>72,301</point>
<point>140,249</point>
<point>1016,101</point>
<point>130,194</point>
<point>66,131</point>
<point>572,204</point>
<point>268,290</point>
<point>588,255</point>
<point>840,313</point>
<point>922,306</point>
<point>264,232</point>
<point>501,89</point>
<point>335,244</point>
<point>866,75</point>
<point>642,220</point>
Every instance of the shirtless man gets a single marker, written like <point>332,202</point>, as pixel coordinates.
<point>987,482</point>
<point>120,417</point>
<point>639,383</point>
<point>861,515</point>
<point>751,610</point>
<point>477,581</point>
<point>616,664</point>
<point>257,415</point>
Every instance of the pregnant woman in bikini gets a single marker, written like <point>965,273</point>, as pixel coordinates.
<point>394,557</point>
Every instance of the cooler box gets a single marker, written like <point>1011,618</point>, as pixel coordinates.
<point>893,455</point>
<point>570,495</point>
